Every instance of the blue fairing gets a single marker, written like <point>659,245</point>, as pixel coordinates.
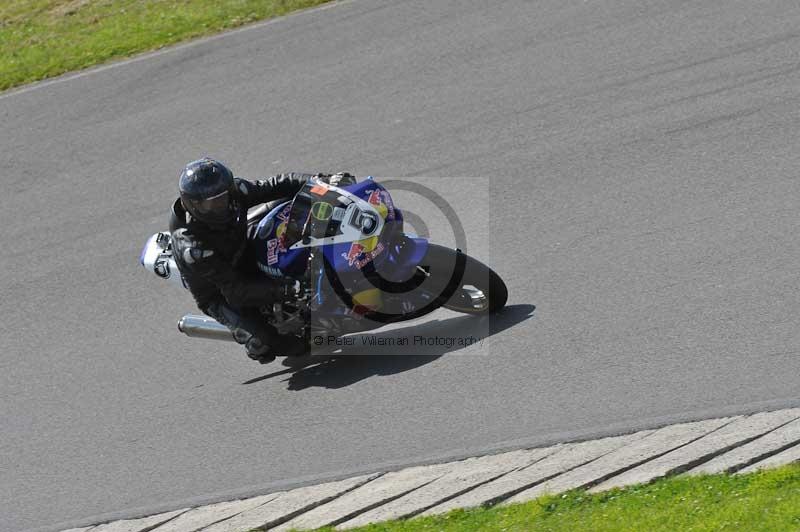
<point>393,254</point>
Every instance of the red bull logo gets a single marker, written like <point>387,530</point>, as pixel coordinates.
<point>380,199</point>
<point>355,251</point>
<point>272,251</point>
<point>280,234</point>
<point>284,214</point>
<point>375,197</point>
<point>369,256</point>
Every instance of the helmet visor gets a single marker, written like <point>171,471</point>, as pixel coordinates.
<point>215,208</point>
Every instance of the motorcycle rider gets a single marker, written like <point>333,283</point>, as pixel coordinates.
<point>210,239</point>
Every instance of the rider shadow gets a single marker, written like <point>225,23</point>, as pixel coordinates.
<point>358,362</point>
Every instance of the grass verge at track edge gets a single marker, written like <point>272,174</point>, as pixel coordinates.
<point>41,39</point>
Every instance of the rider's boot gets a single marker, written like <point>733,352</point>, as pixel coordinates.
<point>248,329</point>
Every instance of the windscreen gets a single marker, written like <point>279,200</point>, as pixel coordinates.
<point>317,212</point>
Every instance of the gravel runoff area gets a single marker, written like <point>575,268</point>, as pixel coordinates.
<point>737,444</point>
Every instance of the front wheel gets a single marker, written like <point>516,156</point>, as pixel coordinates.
<point>478,290</point>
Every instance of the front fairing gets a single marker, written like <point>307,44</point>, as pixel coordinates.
<point>324,217</point>
<point>288,233</point>
<point>272,256</point>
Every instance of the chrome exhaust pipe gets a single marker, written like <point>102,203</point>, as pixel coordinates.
<point>204,327</point>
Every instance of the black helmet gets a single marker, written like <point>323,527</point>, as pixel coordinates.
<point>207,191</point>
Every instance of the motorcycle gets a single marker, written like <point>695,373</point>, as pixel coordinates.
<point>345,265</point>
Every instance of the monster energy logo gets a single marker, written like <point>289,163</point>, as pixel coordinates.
<point>321,211</point>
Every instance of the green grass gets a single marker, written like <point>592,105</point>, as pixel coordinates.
<point>45,38</point>
<point>761,501</point>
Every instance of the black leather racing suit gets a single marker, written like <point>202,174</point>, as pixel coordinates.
<point>220,269</point>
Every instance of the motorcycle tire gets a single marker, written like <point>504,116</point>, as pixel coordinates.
<point>480,289</point>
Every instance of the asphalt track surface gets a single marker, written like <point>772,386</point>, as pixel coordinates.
<point>642,158</point>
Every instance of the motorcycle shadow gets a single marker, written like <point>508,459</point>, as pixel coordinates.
<point>376,354</point>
